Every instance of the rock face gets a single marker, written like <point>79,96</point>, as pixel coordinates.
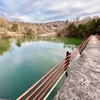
<point>83,82</point>
<point>9,29</point>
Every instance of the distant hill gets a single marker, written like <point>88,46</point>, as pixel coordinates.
<point>76,28</point>
<point>15,29</point>
<point>81,28</point>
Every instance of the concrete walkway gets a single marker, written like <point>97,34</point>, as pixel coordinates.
<point>83,82</point>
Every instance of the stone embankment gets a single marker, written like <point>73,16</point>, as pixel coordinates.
<point>83,82</point>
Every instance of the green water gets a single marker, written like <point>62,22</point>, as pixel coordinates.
<point>25,60</point>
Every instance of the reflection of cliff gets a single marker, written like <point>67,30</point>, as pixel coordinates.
<point>68,42</point>
<point>33,38</point>
<point>4,45</point>
<point>18,43</point>
<point>71,41</point>
<point>69,46</point>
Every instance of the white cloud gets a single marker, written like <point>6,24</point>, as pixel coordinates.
<point>51,10</point>
<point>19,17</point>
<point>39,12</point>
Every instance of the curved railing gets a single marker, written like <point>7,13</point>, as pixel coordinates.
<point>46,84</point>
<point>98,36</point>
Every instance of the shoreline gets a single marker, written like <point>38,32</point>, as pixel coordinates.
<point>10,35</point>
<point>15,34</point>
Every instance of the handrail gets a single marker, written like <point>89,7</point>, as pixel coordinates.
<point>25,93</point>
<point>42,86</point>
<point>98,37</point>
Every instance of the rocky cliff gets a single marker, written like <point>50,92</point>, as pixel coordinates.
<point>15,29</point>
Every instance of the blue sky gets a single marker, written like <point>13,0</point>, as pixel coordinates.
<point>48,10</point>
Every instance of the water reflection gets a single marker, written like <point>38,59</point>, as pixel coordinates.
<point>27,59</point>
<point>4,45</point>
<point>67,43</point>
<point>18,43</point>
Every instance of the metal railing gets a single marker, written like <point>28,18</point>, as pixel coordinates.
<point>40,89</point>
<point>98,36</point>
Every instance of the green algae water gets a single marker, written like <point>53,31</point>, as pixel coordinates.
<point>24,60</point>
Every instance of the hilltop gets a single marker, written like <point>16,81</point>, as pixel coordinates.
<point>79,28</point>
<point>16,29</point>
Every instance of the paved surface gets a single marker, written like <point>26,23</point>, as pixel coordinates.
<point>83,82</point>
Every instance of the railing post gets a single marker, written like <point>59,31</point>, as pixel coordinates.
<point>67,59</point>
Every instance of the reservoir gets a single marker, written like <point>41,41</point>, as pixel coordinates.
<point>24,60</point>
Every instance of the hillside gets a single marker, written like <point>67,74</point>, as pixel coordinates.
<point>81,28</point>
<point>16,29</point>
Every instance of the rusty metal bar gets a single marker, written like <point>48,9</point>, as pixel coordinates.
<point>45,98</point>
<point>72,57</point>
<point>73,52</point>
<point>98,37</point>
<point>26,92</point>
<point>67,60</point>
<point>46,85</point>
<point>83,44</point>
<point>50,84</point>
<point>53,75</point>
<point>43,83</point>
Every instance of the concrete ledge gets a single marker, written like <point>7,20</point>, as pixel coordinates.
<point>83,83</point>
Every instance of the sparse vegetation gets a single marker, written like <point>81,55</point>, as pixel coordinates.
<point>78,28</point>
<point>14,27</point>
<point>4,46</point>
<point>30,31</point>
<point>81,28</point>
